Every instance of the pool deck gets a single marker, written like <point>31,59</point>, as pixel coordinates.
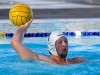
<point>59,11</point>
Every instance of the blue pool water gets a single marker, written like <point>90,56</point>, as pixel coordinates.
<point>11,64</point>
<point>87,47</point>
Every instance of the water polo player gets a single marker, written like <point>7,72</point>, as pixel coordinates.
<point>57,43</point>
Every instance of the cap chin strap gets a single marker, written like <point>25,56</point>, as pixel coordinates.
<point>52,40</point>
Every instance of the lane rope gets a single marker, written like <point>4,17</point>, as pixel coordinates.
<point>76,33</point>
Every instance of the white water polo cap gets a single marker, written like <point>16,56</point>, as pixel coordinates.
<point>54,36</point>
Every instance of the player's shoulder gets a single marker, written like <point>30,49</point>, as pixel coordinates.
<point>79,59</point>
<point>45,58</point>
<point>76,60</point>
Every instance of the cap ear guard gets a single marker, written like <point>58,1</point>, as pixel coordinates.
<point>52,47</point>
<point>51,40</point>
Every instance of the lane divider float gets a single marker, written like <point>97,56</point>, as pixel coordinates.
<point>2,34</point>
<point>76,33</point>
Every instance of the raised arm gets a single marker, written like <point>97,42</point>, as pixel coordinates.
<point>23,51</point>
<point>16,42</point>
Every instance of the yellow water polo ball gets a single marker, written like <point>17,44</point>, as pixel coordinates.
<point>20,13</point>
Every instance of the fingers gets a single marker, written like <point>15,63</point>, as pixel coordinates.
<point>29,22</point>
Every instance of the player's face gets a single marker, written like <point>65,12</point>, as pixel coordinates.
<point>62,47</point>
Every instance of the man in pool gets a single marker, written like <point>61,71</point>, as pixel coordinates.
<point>57,43</point>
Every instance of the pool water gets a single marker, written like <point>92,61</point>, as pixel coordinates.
<point>87,47</point>
<point>11,64</point>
